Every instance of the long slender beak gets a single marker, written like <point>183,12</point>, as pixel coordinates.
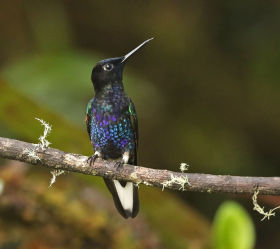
<point>135,49</point>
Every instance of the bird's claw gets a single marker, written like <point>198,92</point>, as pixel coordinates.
<point>91,159</point>
<point>119,165</point>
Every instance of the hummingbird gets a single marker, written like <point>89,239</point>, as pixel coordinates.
<point>112,126</point>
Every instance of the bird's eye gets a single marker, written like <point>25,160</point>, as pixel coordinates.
<point>108,67</point>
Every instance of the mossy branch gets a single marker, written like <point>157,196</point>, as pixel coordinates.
<point>59,160</point>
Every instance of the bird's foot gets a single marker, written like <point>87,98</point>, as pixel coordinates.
<point>92,158</point>
<point>119,165</point>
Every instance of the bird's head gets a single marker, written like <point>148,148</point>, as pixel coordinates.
<point>110,71</point>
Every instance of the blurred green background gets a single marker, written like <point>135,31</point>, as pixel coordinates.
<point>206,90</point>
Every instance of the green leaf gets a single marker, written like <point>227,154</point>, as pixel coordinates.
<point>232,228</point>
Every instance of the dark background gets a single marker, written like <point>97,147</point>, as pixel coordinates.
<point>206,90</point>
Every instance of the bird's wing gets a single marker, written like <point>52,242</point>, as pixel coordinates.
<point>89,117</point>
<point>134,124</point>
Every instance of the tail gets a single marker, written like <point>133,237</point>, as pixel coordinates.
<point>125,196</point>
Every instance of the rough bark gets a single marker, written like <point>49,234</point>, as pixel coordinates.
<point>57,159</point>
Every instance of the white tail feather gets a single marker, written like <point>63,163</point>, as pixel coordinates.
<point>125,194</point>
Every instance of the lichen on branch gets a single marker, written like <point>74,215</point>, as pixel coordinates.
<point>260,210</point>
<point>59,160</point>
<point>43,142</point>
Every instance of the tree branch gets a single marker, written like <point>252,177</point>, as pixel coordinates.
<point>57,159</point>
